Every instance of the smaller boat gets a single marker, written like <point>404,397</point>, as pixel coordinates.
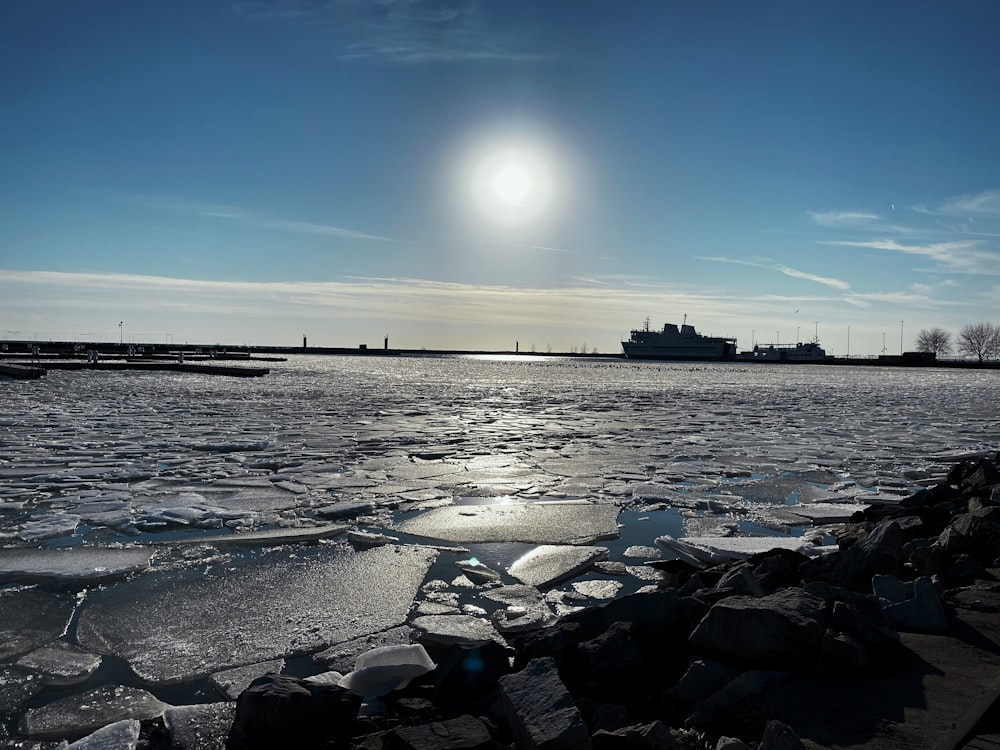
<point>808,352</point>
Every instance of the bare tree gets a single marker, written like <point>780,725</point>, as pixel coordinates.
<point>936,340</point>
<point>980,340</point>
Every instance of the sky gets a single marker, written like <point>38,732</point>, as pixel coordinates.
<point>492,174</point>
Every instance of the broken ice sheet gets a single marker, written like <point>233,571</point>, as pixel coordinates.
<point>182,625</point>
<point>537,523</point>
<point>77,715</point>
<point>231,682</point>
<point>16,688</point>
<point>30,618</point>
<point>549,564</point>
<point>73,563</point>
<point>60,663</point>
<point>199,727</point>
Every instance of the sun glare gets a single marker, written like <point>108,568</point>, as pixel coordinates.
<point>512,186</point>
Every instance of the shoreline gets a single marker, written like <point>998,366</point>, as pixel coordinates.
<point>33,353</point>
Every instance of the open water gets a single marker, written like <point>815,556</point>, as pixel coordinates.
<point>437,452</point>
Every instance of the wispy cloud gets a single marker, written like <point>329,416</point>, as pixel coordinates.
<point>256,220</point>
<point>843,218</point>
<point>782,268</point>
<point>411,31</point>
<point>543,247</point>
<point>986,203</point>
<point>961,256</point>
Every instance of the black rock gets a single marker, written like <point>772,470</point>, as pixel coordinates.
<point>279,711</point>
<point>781,631</point>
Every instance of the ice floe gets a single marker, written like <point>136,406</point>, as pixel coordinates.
<point>60,663</point>
<point>31,618</point>
<point>537,523</point>
<point>72,564</point>
<point>714,550</point>
<point>549,564</point>
<point>121,735</point>
<point>178,626</point>
<point>387,668</point>
<point>451,629</point>
<point>77,715</point>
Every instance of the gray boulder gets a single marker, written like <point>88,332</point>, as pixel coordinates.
<point>540,711</point>
<point>779,736</point>
<point>780,631</point>
<point>654,736</point>
<point>882,551</point>
<point>911,607</point>
<point>462,733</point>
<point>279,711</point>
<point>703,678</point>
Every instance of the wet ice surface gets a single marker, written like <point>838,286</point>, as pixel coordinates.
<point>178,626</point>
<point>151,479</point>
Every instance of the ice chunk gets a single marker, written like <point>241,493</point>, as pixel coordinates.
<point>702,551</point>
<point>535,523</point>
<point>549,564</point>
<point>649,553</point>
<point>476,572</point>
<point>30,618</point>
<point>345,509</point>
<point>597,589</point>
<point>367,539</point>
<point>451,629</point>
<point>343,656</point>
<point>61,663</point>
<point>231,682</point>
<point>77,715</point>
<point>388,668</point>
<point>522,619</point>
<point>269,537</point>
<point>122,735</point>
<point>179,625</point>
<point>49,526</point>
<point>74,563</point>
<point>199,727</point>
<point>16,688</point>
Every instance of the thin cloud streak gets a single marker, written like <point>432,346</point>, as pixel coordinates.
<point>250,218</point>
<point>962,256</point>
<point>842,218</point>
<point>986,203</point>
<point>781,268</point>
<point>405,33</point>
<point>543,247</point>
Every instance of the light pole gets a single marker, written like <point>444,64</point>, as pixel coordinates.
<point>816,332</point>
<point>121,336</point>
<point>883,343</point>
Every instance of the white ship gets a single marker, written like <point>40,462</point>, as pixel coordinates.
<point>675,342</point>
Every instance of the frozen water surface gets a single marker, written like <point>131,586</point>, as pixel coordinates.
<point>183,625</point>
<point>115,464</point>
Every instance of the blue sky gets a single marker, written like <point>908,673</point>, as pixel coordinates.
<point>470,173</point>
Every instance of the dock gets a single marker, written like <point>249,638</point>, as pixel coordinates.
<point>42,366</point>
<point>21,372</point>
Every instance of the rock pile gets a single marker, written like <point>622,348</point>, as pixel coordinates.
<point>678,667</point>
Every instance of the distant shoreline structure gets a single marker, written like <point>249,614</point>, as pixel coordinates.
<point>23,351</point>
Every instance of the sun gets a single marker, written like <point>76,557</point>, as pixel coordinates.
<point>512,185</point>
